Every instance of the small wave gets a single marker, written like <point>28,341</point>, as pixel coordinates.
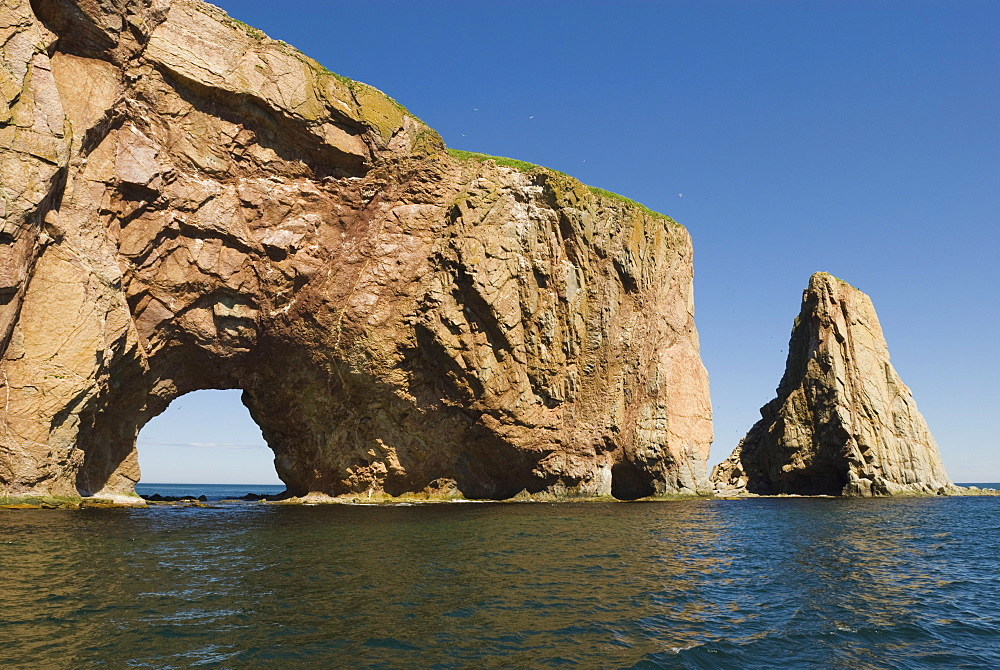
<point>389,643</point>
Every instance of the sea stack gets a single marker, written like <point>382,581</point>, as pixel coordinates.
<point>843,422</point>
<point>190,205</point>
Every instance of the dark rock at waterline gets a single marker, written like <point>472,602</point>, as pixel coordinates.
<point>156,497</point>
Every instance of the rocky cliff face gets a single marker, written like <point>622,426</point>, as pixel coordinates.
<point>188,204</point>
<point>843,422</point>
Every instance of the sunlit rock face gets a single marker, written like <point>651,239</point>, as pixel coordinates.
<point>843,422</point>
<point>189,205</point>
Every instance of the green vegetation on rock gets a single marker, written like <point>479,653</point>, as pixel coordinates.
<point>376,109</point>
<point>249,30</point>
<point>38,502</point>
<point>628,201</point>
<point>524,166</point>
<point>521,166</point>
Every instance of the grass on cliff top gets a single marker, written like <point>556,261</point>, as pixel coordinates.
<point>250,31</point>
<point>521,166</point>
<point>524,166</point>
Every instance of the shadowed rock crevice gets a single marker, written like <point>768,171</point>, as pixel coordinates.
<point>291,139</point>
<point>629,482</point>
<point>85,29</point>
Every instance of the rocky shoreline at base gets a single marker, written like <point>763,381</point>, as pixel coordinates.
<point>156,500</point>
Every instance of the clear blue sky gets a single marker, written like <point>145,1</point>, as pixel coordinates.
<point>858,138</point>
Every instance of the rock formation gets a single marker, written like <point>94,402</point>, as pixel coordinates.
<point>843,423</point>
<point>188,204</point>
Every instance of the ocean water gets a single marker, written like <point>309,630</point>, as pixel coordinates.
<point>210,491</point>
<point>756,583</point>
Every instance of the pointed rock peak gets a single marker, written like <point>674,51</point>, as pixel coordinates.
<point>820,281</point>
<point>843,423</point>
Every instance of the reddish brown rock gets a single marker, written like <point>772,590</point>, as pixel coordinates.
<point>191,205</point>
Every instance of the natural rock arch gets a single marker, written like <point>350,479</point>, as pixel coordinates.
<point>215,210</point>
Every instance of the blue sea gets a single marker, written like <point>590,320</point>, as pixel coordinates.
<point>751,583</point>
<point>210,491</point>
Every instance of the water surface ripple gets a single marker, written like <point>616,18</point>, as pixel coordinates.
<point>762,583</point>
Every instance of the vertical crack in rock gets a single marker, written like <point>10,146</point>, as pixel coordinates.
<point>843,422</point>
<point>188,204</point>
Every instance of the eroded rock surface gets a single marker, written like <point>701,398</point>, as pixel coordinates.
<point>189,205</point>
<point>843,422</point>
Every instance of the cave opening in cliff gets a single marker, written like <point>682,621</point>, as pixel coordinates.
<point>628,482</point>
<point>205,437</point>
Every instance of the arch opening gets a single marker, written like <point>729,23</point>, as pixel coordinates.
<point>205,437</point>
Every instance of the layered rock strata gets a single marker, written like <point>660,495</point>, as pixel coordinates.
<point>188,204</point>
<point>843,422</point>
